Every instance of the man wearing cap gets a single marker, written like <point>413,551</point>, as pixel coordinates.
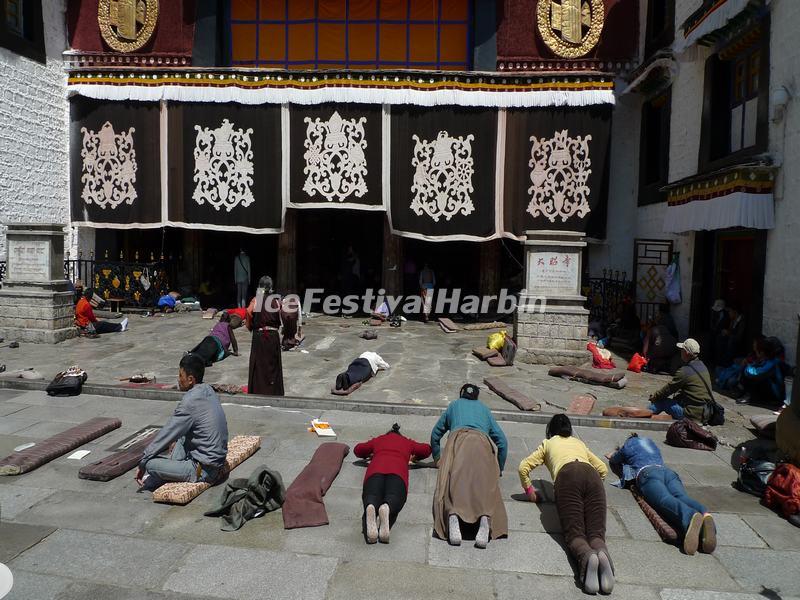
<point>689,392</point>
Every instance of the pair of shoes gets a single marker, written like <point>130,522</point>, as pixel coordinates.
<point>708,535</point>
<point>691,541</point>
<point>383,528</point>
<point>482,537</point>
<point>605,572</point>
<point>372,525</point>
<point>124,324</point>
<point>453,531</point>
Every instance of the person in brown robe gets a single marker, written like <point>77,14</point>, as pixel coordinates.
<point>265,375</point>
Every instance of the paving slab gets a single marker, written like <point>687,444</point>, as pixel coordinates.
<point>514,586</point>
<point>367,581</point>
<point>247,574</point>
<point>732,530</point>
<point>727,499</point>
<point>688,594</point>
<point>15,499</point>
<point>663,565</point>
<point>775,531</point>
<point>15,538</point>
<point>92,591</point>
<point>102,558</point>
<point>637,524</point>
<point>759,570</point>
<point>9,408</point>
<point>76,510</point>
<point>523,552</point>
<point>30,586</point>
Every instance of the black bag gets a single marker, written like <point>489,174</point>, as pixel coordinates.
<point>66,383</point>
<point>754,472</point>
<point>688,434</point>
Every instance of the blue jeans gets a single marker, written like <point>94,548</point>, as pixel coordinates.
<point>178,467</point>
<point>664,491</point>
<point>670,406</point>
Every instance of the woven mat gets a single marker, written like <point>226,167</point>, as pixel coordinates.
<point>581,405</point>
<point>240,448</point>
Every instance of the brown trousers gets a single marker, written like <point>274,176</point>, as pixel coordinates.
<point>581,504</point>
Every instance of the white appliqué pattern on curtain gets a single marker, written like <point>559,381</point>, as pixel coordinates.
<point>443,178</point>
<point>336,165</point>
<point>223,166</point>
<point>560,169</point>
<point>109,167</point>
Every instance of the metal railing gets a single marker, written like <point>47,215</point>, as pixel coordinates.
<point>606,294</point>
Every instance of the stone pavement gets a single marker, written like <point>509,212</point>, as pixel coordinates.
<point>428,366</point>
<point>68,538</point>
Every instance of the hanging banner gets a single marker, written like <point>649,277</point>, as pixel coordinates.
<point>442,173</point>
<point>335,156</point>
<point>115,173</point>
<point>225,167</point>
<point>556,170</point>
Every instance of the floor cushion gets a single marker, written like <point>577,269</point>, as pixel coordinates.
<point>664,529</point>
<point>240,448</point>
<point>484,353</point>
<point>496,361</point>
<point>53,447</point>
<point>447,325</point>
<point>627,412</point>
<point>506,392</point>
<point>116,464</point>
<point>581,405</point>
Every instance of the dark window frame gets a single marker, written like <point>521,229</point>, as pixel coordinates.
<point>657,38</point>
<point>649,190</point>
<point>31,45</point>
<point>717,102</point>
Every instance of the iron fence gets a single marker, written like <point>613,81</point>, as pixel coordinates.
<point>606,294</point>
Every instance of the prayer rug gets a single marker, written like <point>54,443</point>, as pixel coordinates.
<point>506,392</point>
<point>581,405</point>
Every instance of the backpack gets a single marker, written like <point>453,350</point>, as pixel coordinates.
<point>688,434</point>
<point>67,383</point>
<point>783,490</point>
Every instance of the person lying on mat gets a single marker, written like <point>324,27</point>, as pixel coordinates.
<point>639,463</point>
<point>382,312</point>
<point>197,428</point>
<point>220,342</point>
<point>166,303</point>
<point>386,480</point>
<point>468,483</point>
<point>91,325</point>
<point>365,366</point>
<point>580,500</point>
<point>689,393</point>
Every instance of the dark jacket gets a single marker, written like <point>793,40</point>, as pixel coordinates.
<point>692,388</point>
<point>245,499</point>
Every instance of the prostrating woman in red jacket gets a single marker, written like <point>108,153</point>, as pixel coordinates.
<point>386,480</point>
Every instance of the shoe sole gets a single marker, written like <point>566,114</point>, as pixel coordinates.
<point>591,582</point>
<point>709,532</point>
<point>383,528</point>
<point>606,573</point>
<point>372,525</point>
<point>453,538</point>
<point>692,538</point>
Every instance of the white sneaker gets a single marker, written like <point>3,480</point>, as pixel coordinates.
<point>124,324</point>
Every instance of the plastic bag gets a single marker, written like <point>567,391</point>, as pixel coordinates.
<point>672,275</point>
<point>637,362</point>
<point>495,341</point>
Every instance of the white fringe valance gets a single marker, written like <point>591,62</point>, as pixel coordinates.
<point>717,19</point>
<point>739,209</point>
<point>178,93</point>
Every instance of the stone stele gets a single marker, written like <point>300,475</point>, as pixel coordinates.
<point>551,323</point>
<point>36,304</point>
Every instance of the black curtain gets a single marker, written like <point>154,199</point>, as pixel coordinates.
<point>443,171</point>
<point>567,171</point>
<point>115,174</point>
<point>225,166</point>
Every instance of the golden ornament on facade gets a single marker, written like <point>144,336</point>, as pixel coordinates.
<point>127,25</point>
<point>571,28</point>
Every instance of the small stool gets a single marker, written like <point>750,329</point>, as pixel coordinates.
<point>117,302</point>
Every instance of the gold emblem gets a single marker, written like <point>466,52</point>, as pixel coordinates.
<point>571,28</point>
<point>127,25</point>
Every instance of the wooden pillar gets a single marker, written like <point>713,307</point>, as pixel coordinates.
<point>490,268</point>
<point>392,271</point>
<point>286,277</point>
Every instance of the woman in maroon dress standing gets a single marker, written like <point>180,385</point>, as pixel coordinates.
<point>265,375</point>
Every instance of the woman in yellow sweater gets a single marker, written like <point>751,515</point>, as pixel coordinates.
<point>580,499</point>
